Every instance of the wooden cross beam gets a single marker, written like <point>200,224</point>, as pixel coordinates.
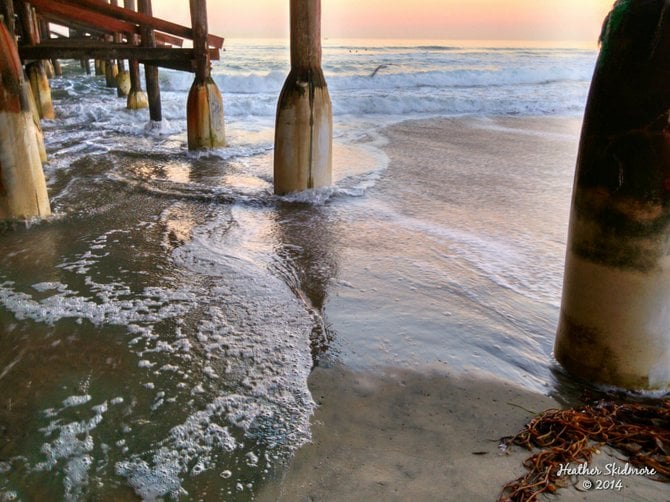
<point>137,18</point>
<point>98,22</point>
<point>95,49</point>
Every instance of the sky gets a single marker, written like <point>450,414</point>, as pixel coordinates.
<point>559,20</point>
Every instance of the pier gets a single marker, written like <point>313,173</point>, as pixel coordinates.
<point>110,35</point>
<point>116,37</point>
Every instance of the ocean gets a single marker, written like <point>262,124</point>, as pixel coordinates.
<point>157,333</point>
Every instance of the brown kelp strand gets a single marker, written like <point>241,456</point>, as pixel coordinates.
<point>640,431</point>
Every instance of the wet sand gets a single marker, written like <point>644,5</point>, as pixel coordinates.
<point>403,435</point>
<point>428,431</point>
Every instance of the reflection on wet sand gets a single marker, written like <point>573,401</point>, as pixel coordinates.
<point>307,259</point>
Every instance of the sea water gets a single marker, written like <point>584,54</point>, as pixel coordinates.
<point>156,334</point>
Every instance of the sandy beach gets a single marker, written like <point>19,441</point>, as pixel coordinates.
<point>407,435</point>
<point>419,431</point>
<point>430,288</point>
<point>403,435</point>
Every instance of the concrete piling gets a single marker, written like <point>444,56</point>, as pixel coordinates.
<point>614,324</point>
<point>304,123</point>
<point>137,98</point>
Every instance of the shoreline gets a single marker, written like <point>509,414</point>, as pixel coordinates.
<point>388,428</point>
<point>425,261</point>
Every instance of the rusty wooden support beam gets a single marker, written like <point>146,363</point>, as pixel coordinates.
<point>161,38</point>
<point>36,25</point>
<point>74,25</point>
<point>166,39</point>
<point>37,75</point>
<point>102,23</point>
<point>77,41</point>
<point>144,20</point>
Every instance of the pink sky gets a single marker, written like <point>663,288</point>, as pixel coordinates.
<point>427,19</point>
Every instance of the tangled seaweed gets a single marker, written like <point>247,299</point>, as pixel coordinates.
<point>640,431</point>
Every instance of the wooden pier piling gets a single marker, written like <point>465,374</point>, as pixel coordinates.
<point>614,326</point>
<point>7,12</point>
<point>304,123</point>
<point>122,76</point>
<point>23,192</point>
<point>151,71</point>
<point>58,69</point>
<point>204,109</point>
<point>51,66</point>
<point>37,76</point>
<point>137,98</point>
<point>111,69</point>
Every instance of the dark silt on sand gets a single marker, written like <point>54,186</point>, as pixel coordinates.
<point>420,429</point>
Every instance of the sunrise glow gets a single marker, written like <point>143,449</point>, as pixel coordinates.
<point>409,19</point>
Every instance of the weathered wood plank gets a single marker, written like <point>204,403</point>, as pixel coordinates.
<point>166,39</point>
<point>103,23</point>
<point>69,23</point>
